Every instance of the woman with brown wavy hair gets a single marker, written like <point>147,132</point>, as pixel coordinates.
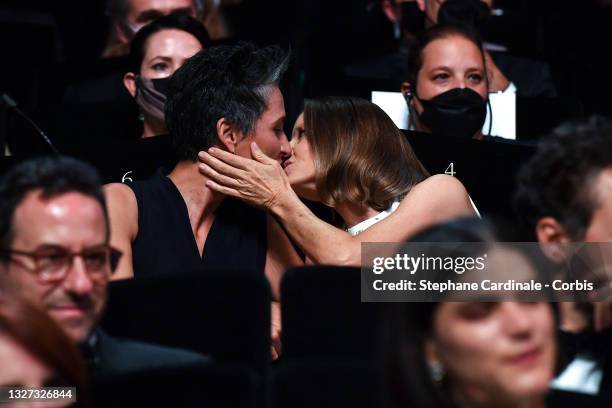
<point>348,154</point>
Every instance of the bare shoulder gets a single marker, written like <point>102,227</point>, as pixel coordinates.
<point>119,195</point>
<point>438,198</point>
<point>123,217</point>
<point>440,185</point>
<point>122,207</point>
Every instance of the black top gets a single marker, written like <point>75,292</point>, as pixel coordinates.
<point>107,356</point>
<point>165,242</point>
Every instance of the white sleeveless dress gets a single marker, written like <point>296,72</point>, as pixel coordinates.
<point>365,224</point>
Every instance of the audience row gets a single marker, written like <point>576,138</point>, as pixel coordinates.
<point>232,192</point>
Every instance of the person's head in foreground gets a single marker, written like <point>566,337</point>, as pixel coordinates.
<point>229,96</point>
<point>347,151</point>
<point>35,352</point>
<point>564,195</point>
<point>489,354</point>
<point>156,51</point>
<point>564,192</point>
<point>466,353</point>
<point>54,238</point>
<point>446,84</point>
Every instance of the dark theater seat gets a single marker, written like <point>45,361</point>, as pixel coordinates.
<point>329,384</point>
<point>564,399</point>
<point>487,169</point>
<point>215,386</point>
<point>323,316</point>
<point>225,315</point>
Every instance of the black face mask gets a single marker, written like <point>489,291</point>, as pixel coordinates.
<point>460,112</point>
<point>151,95</point>
<point>162,85</point>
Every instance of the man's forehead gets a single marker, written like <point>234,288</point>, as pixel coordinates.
<point>36,210</point>
<point>75,199</point>
<point>144,5</point>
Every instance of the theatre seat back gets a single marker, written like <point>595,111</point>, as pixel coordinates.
<point>323,316</point>
<point>223,386</point>
<point>222,314</point>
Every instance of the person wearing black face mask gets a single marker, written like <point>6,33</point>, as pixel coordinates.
<point>460,112</point>
<point>447,88</point>
<point>528,77</point>
<point>156,51</point>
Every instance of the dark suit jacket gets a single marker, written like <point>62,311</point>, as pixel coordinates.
<point>532,78</point>
<point>109,356</point>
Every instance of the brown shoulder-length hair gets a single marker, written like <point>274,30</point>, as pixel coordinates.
<point>36,332</point>
<point>360,156</point>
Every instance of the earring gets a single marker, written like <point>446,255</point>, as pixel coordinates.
<point>408,96</point>
<point>436,372</point>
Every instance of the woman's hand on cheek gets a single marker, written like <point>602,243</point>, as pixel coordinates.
<point>260,182</point>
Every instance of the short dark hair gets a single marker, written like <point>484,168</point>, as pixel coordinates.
<point>558,180</point>
<point>53,176</point>
<point>231,82</point>
<point>182,22</point>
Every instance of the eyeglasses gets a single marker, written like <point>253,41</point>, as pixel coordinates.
<point>52,264</point>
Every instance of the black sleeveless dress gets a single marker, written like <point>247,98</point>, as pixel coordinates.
<point>165,243</point>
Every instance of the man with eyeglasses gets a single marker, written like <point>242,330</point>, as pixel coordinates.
<point>55,252</point>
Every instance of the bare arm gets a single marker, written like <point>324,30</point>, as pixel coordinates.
<point>435,200</point>
<point>263,183</point>
<point>281,256</point>
<point>123,216</point>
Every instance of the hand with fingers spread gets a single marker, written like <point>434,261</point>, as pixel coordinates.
<point>260,182</point>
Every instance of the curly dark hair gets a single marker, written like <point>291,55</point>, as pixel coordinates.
<point>232,82</point>
<point>558,181</point>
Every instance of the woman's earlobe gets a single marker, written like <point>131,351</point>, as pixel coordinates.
<point>226,135</point>
<point>129,81</point>
<point>553,239</point>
